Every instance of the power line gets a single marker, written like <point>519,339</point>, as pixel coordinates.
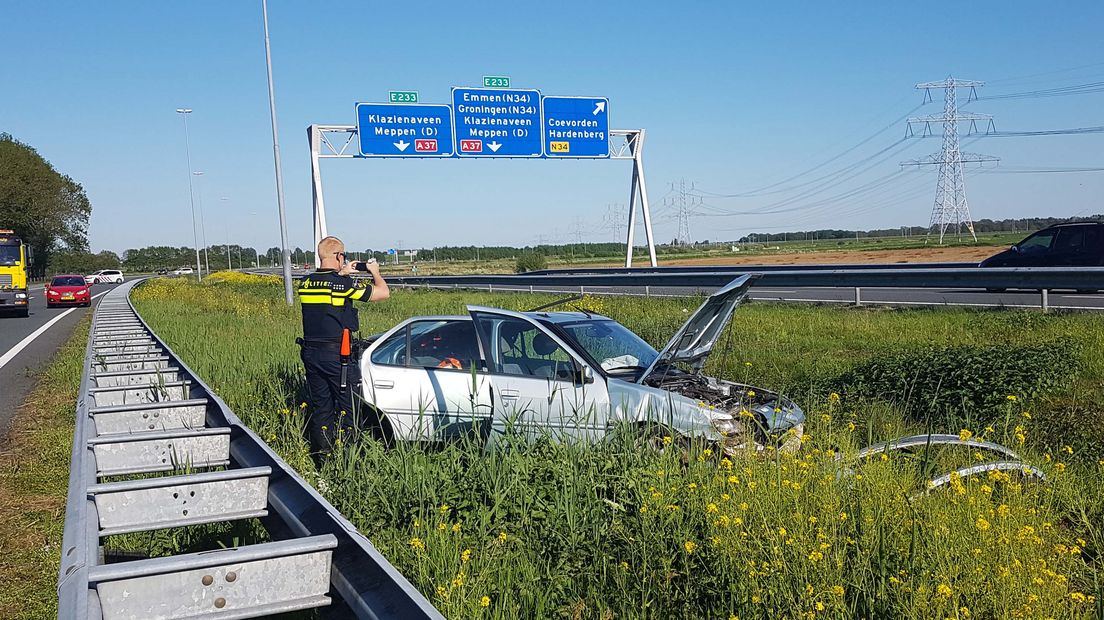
<point>774,186</point>
<point>1061,91</point>
<point>1075,131</point>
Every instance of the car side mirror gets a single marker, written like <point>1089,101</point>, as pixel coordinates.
<point>584,375</point>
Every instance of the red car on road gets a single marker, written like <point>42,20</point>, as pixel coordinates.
<point>68,290</point>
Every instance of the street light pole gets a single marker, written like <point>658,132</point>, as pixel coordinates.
<point>184,112</point>
<point>229,265</point>
<point>276,161</point>
<point>202,224</point>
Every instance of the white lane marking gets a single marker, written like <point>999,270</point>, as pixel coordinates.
<point>22,344</point>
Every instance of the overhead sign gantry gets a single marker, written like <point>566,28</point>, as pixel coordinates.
<point>492,121</point>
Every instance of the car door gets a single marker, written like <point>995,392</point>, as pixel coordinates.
<point>427,378</point>
<point>541,387</point>
<point>1071,247</point>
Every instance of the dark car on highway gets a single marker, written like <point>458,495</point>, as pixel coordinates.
<point>1079,244</point>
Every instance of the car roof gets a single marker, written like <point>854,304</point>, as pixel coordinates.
<point>565,317</point>
<point>1067,224</point>
<point>551,317</point>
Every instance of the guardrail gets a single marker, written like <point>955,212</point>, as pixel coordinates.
<point>141,410</point>
<point>1035,278</point>
<point>748,268</point>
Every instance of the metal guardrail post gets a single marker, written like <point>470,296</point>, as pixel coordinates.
<point>1046,300</point>
<point>858,296</point>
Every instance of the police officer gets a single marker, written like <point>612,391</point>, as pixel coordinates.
<point>327,297</point>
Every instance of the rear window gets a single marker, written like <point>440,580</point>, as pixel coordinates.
<point>68,281</point>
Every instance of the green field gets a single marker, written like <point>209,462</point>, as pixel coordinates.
<point>621,532</point>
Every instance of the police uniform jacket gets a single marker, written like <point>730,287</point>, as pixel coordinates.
<point>327,299</point>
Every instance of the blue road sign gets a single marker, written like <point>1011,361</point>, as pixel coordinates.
<point>576,126</point>
<point>497,122</point>
<point>391,251</point>
<point>404,130</point>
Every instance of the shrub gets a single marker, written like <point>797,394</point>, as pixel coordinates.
<point>963,385</point>
<point>530,261</point>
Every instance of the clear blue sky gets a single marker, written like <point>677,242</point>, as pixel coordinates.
<point>733,97</point>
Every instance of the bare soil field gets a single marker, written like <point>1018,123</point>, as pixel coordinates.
<point>847,257</point>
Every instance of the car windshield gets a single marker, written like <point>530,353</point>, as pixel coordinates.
<point>67,281</point>
<point>9,254</point>
<point>611,344</point>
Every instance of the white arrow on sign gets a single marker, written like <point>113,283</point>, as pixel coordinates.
<point>401,145</point>
<point>494,146</point>
<point>599,106</point>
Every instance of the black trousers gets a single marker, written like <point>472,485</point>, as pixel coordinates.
<point>332,411</point>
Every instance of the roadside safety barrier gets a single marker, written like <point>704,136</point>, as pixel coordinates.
<point>154,448</point>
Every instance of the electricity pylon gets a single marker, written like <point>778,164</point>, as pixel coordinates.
<point>950,192</point>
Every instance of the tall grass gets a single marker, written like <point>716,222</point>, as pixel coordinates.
<point>560,530</point>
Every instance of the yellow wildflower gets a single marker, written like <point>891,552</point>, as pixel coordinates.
<point>981,524</point>
<point>944,590</point>
<point>485,601</point>
<point>690,546</point>
<point>837,590</point>
<point>465,555</point>
<point>1012,398</point>
<point>667,440</point>
<point>711,507</point>
<point>965,434</point>
<point>502,536</point>
<point>834,397</point>
<point>417,543</point>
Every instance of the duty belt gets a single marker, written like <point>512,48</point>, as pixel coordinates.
<point>310,343</point>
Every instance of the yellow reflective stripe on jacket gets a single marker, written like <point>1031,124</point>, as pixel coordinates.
<point>315,299</point>
<point>359,293</point>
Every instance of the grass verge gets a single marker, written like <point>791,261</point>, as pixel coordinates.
<point>34,477</point>
<point>613,531</point>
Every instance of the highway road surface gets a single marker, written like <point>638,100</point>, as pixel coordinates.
<point>28,344</point>
<point>901,297</point>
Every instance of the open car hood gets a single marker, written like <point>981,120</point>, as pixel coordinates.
<point>693,342</point>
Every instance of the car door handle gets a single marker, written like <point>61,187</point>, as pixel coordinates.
<point>509,394</point>
<point>383,384</point>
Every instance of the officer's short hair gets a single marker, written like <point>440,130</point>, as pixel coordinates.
<point>330,246</point>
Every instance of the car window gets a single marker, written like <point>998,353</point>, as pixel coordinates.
<point>611,344</point>
<point>392,352</point>
<point>1039,242</point>
<point>9,254</point>
<point>1094,239</point>
<point>67,281</point>
<point>523,349</point>
<point>1070,239</point>
<point>443,344</point>
<point>431,344</point>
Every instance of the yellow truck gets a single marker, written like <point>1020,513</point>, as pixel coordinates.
<point>15,258</point>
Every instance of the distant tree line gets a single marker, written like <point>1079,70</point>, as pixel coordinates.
<point>1024,225</point>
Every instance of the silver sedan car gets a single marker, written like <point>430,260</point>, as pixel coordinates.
<point>570,376</point>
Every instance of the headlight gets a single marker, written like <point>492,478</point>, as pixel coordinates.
<point>52,293</point>
<point>727,426</point>
<point>20,295</point>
